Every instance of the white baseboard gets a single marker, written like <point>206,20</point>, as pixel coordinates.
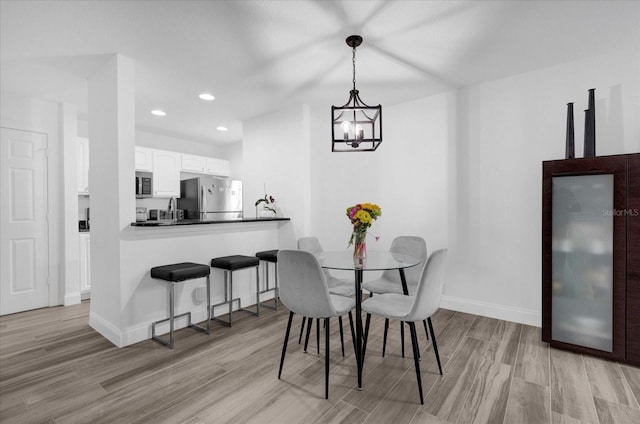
<point>72,298</point>
<point>142,332</point>
<point>105,328</point>
<point>491,310</point>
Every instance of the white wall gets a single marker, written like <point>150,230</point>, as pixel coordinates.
<point>164,142</point>
<point>506,128</point>
<point>277,156</point>
<point>406,176</point>
<point>233,152</point>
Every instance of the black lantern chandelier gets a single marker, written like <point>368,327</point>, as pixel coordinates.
<point>355,127</point>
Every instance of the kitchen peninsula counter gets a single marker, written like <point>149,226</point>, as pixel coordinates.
<point>169,223</point>
<point>145,245</point>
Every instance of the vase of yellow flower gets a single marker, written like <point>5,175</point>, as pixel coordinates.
<point>359,245</point>
<point>361,216</point>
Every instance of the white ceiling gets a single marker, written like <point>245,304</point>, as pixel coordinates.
<point>261,56</point>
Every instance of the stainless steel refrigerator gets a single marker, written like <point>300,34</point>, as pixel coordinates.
<point>211,198</point>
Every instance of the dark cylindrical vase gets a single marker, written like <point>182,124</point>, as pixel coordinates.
<point>570,150</point>
<point>590,126</point>
<point>589,144</point>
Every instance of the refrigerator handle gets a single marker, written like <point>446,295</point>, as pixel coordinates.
<point>203,203</point>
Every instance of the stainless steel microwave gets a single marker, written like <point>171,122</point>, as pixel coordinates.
<point>143,186</point>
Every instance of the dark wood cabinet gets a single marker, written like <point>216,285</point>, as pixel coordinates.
<point>633,261</point>
<point>591,256</point>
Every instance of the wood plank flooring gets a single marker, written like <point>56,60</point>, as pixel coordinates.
<point>55,369</point>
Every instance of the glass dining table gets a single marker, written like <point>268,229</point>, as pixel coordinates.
<point>375,261</point>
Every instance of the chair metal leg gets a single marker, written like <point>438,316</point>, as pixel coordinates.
<point>306,339</point>
<point>318,335</point>
<point>384,340</point>
<point>284,345</point>
<point>326,360</point>
<point>402,337</point>
<point>424,322</point>
<point>304,319</point>
<point>416,360</point>
<point>435,345</point>
<point>341,335</point>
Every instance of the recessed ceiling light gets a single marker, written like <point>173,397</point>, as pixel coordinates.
<point>158,112</point>
<point>221,128</point>
<point>206,96</point>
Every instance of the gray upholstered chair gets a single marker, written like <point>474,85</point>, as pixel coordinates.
<point>414,308</point>
<point>304,290</point>
<point>336,286</point>
<point>389,281</point>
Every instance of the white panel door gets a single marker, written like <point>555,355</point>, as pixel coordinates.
<point>24,255</point>
<point>85,262</point>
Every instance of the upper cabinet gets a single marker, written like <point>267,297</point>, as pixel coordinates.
<point>218,167</point>
<point>82,163</point>
<point>205,165</point>
<point>144,159</point>
<point>166,173</point>
<point>166,167</point>
<point>192,163</point>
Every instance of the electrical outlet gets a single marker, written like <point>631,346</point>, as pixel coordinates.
<point>201,293</point>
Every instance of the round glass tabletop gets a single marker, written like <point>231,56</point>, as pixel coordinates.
<point>375,261</point>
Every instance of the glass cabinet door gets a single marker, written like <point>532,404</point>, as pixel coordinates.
<point>582,260</point>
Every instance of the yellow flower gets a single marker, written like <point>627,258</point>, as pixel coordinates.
<point>363,216</point>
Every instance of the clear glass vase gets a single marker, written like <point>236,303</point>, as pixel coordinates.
<point>359,245</point>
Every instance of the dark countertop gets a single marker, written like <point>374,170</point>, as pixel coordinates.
<point>169,223</point>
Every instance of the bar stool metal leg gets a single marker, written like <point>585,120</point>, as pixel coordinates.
<point>228,299</point>
<point>257,311</point>
<point>171,313</point>
<point>267,286</point>
<point>175,274</point>
<point>173,317</point>
<point>229,264</point>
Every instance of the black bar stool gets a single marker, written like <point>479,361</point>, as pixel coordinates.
<point>177,273</point>
<point>269,256</point>
<point>230,264</point>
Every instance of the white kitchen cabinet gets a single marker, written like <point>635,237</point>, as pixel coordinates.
<point>192,163</point>
<point>218,167</point>
<point>166,173</point>
<point>85,263</point>
<point>144,159</point>
<point>82,163</point>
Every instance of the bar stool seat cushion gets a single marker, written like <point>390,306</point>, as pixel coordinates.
<point>268,255</point>
<point>180,272</point>
<point>234,262</point>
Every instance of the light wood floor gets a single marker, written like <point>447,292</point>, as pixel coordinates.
<point>55,369</point>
